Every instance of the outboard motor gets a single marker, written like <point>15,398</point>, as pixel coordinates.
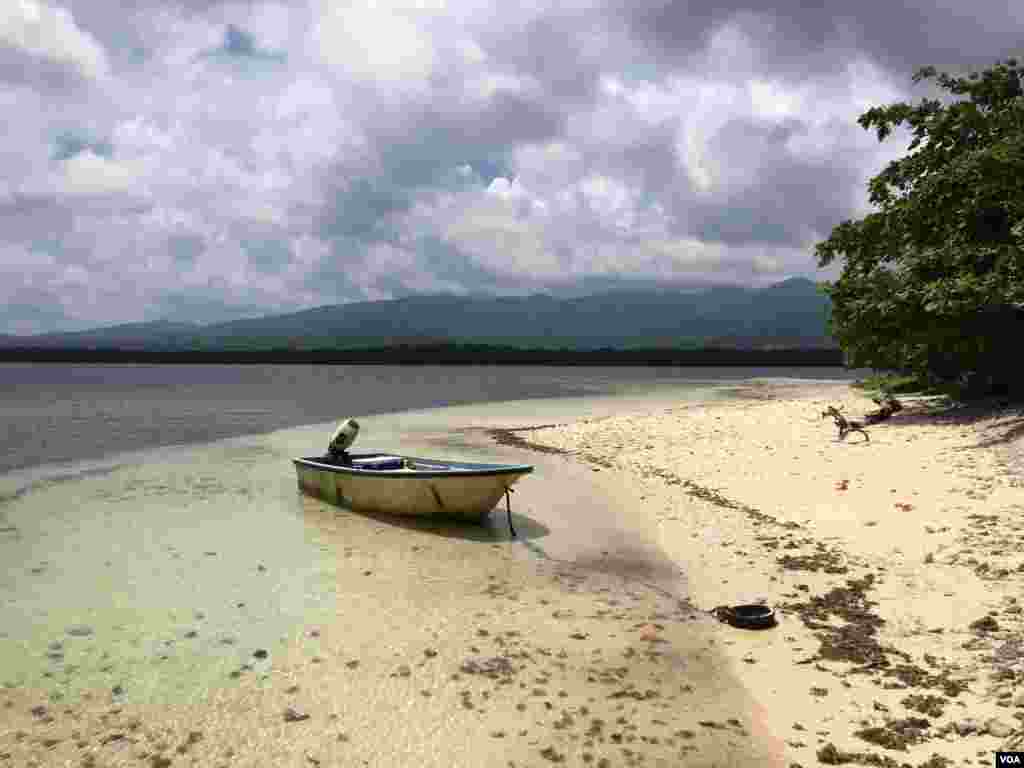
<point>343,437</point>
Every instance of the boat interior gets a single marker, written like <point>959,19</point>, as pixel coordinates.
<point>383,462</point>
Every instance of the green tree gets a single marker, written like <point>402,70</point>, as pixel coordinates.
<point>933,279</point>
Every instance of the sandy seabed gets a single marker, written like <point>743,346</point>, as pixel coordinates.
<point>895,566</point>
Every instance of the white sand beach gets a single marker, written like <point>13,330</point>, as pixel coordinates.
<point>894,564</point>
<point>897,564</point>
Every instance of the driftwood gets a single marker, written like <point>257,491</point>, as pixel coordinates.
<point>846,426</point>
<point>888,405</point>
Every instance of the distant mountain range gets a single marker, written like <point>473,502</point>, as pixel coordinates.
<point>789,314</point>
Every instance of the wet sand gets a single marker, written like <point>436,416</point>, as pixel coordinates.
<point>192,607</point>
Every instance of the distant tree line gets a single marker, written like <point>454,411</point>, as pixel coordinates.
<point>441,354</point>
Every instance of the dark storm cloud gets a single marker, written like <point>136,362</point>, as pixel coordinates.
<point>30,219</point>
<point>448,263</point>
<point>432,140</point>
<point>361,208</point>
<point>335,274</point>
<point>423,149</point>
<point>791,34</point>
<point>782,214</point>
<point>651,156</point>
<point>268,255</point>
<point>38,313</point>
<point>787,197</point>
<point>553,49</point>
<point>18,67</point>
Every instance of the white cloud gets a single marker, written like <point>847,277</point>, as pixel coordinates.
<point>608,198</point>
<point>541,142</point>
<point>470,52</point>
<point>72,276</point>
<point>50,32</point>
<point>87,174</point>
<point>767,264</point>
<point>551,166</point>
<point>374,41</point>
<point>667,258</point>
<point>382,264</point>
<point>141,135</point>
<point>273,24</point>
<point>490,84</point>
<point>17,260</point>
<point>501,227</point>
<point>506,190</point>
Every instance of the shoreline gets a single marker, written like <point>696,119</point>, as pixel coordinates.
<point>343,639</point>
<point>148,407</point>
<point>587,642</point>
<point>888,562</point>
<point>442,354</point>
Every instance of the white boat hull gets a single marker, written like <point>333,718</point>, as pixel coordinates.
<point>428,488</point>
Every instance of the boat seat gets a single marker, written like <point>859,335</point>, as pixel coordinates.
<point>379,463</point>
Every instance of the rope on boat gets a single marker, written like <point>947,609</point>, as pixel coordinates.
<point>508,510</point>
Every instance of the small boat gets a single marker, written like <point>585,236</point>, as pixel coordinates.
<point>405,485</point>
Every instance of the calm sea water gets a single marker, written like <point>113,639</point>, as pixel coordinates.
<point>56,413</point>
<point>152,535</point>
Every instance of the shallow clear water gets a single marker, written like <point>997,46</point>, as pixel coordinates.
<point>109,564</point>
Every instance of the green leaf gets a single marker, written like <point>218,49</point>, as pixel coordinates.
<point>932,278</point>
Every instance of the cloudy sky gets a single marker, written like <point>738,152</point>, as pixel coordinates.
<point>204,160</point>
